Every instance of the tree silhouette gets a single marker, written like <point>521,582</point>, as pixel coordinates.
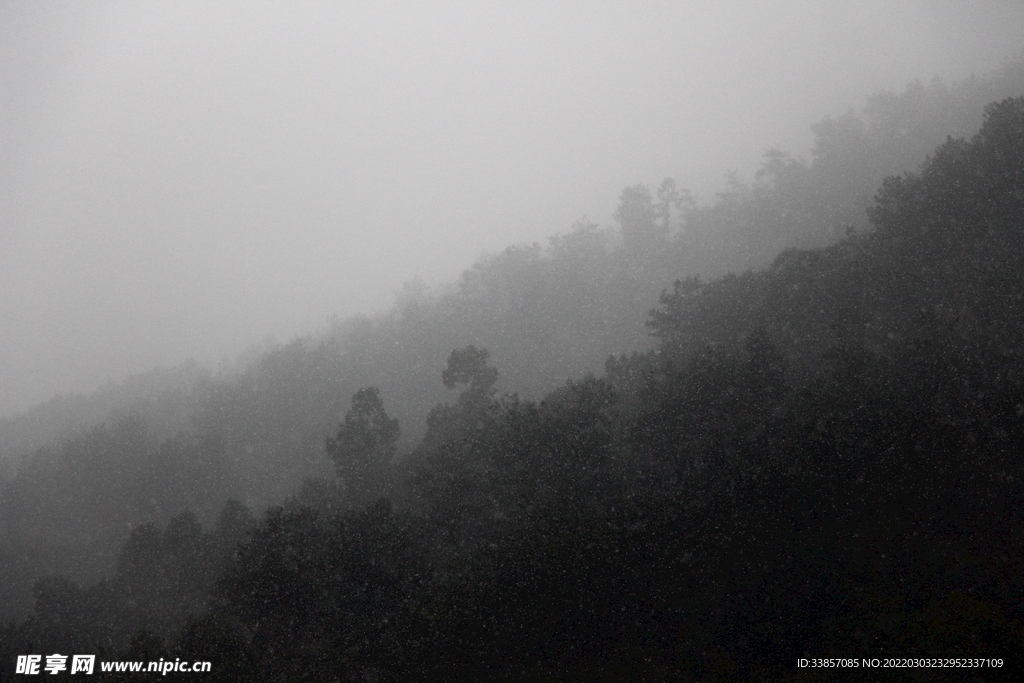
<point>364,446</point>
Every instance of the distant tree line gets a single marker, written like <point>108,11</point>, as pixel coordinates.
<point>819,457</point>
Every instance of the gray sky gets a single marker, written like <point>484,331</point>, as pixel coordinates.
<point>186,179</point>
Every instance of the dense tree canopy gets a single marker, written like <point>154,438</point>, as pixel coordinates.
<point>820,456</point>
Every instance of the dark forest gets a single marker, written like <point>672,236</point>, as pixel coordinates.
<point>699,446</point>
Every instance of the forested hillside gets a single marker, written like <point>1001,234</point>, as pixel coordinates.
<point>590,300</point>
<point>815,456</point>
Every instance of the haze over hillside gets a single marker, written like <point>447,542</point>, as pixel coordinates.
<point>185,180</point>
<point>820,452</point>
<point>615,341</point>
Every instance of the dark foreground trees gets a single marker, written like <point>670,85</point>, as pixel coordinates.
<point>820,459</point>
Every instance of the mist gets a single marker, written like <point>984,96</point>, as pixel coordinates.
<point>186,180</point>
<point>459,342</point>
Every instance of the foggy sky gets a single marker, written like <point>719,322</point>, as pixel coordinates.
<point>186,179</point>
